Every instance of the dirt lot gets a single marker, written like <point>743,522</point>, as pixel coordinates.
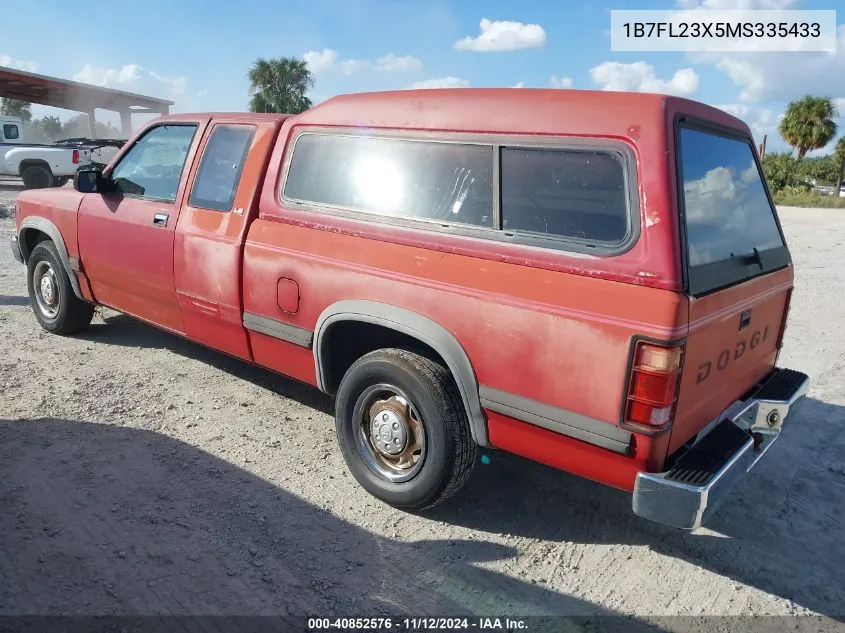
<point>143,474</point>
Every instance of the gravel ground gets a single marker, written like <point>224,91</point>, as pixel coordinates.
<point>142,474</point>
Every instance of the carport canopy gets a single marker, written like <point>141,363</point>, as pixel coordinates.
<point>75,95</point>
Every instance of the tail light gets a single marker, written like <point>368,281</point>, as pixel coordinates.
<point>653,387</point>
<point>75,157</point>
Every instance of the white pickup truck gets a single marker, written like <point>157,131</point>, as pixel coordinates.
<point>43,165</point>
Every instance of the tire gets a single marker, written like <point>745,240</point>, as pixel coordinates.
<point>60,181</point>
<point>56,308</point>
<point>379,381</point>
<point>37,177</point>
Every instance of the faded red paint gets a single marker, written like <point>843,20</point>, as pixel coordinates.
<point>546,325</point>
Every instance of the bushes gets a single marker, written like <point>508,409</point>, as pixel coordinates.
<point>783,171</point>
<point>791,197</point>
<point>789,180</point>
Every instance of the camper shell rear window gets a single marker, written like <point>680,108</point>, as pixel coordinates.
<point>731,230</point>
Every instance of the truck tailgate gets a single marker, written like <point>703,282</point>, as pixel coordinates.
<point>732,344</point>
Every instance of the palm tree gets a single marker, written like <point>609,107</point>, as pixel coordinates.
<point>279,85</point>
<point>808,123</point>
<point>839,157</point>
<point>19,109</point>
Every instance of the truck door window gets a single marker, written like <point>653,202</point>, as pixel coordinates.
<point>152,168</point>
<point>221,166</point>
<point>443,182</point>
<point>573,194</point>
<point>10,132</point>
<point>730,226</point>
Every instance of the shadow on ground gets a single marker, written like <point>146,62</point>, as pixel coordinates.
<point>12,300</point>
<point>125,331</point>
<point>784,522</point>
<point>100,519</point>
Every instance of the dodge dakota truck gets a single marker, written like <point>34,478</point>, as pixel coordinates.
<point>597,281</point>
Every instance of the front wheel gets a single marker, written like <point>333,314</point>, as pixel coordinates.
<point>403,429</point>
<point>56,307</point>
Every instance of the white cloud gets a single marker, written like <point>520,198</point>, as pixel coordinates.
<point>203,93</point>
<point>519,84</point>
<point>498,35</point>
<point>745,74</point>
<point>329,61</point>
<point>133,77</point>
<point>320,61</point>
<point>443,82</point>
<point>396,63</point>
<point>20,64</point>
<point>738,110</point>
<point>177,84</point>
<point>775,76</point>
<point>784,76</point>
<point>640,77</point>
<point>98,76</point>
<point>560,82</point>
<point>762,121</point>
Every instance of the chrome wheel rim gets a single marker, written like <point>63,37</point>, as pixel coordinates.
<point>46,287</point>
<point>390,433</point>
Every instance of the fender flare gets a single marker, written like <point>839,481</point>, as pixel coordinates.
<point>43,225</point>
<point>419,327</point>
<point>32,162</point>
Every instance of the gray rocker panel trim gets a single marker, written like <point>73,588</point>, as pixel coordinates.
<point>278,329</point>
<point>44,225</point>
<point>421,328</point>
<point>561,421</point>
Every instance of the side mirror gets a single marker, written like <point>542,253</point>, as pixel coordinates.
<point>88,181</point>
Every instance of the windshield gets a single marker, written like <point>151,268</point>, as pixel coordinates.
<point>731,230</point>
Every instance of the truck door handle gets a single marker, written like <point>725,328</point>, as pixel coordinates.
<point>160,219</point>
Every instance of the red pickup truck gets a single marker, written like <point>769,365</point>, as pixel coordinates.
<point>596,281</point>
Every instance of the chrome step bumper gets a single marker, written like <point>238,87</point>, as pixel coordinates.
<point>687,494</point>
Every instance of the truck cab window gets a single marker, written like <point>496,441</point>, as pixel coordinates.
<point>221,167</point>
<point>10,132</point>
<point>419,180</point>
<point>572,194</point>
<point>153,167</point>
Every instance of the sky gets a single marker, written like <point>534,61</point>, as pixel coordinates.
<point>197,52</point>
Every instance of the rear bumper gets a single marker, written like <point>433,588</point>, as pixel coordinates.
<point>687,494</point>
<point>16,249</point>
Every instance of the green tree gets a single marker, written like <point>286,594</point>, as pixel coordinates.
<point>808,123</point>
<point>16,108</point>
<point>839,158</point>
<point>822,169</point>
<point>78,127</point>
<point>49,127</point>
<point>279,85</point>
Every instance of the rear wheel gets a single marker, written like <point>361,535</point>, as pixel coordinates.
<point>56,307</point>
<point>403,429</point>
<point>37,177</point>
<point>60,181</point>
